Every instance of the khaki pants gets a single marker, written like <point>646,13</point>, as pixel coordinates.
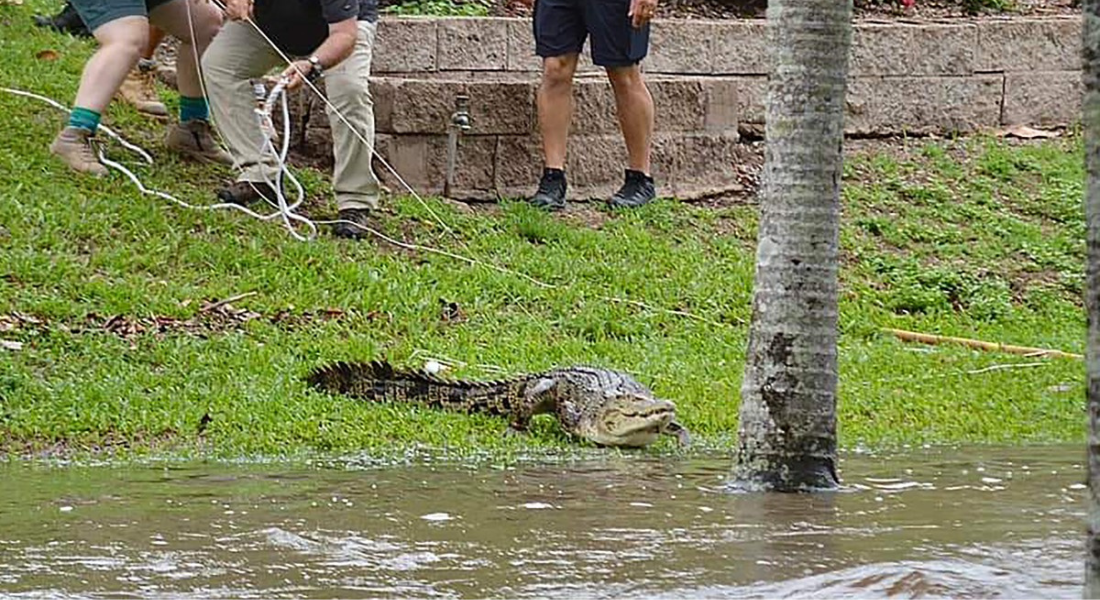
<point>238,54</point>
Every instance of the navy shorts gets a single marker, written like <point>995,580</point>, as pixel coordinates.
<point>561,27</point>
<point>96,13</point>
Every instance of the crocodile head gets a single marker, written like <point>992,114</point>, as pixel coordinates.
<point>631,420</point>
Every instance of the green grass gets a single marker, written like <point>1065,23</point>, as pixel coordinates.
<point>975,238</point>
<point>439,8</point>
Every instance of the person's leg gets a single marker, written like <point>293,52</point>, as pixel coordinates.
<point>235,56</point>
<point>619,48</point>
<point>156,36</point>
<point>347,86</point>
<point>559,37</point>
<point>139,89</point>
<point>555,106</point>
<point>121,29</point>
<point>194,23</point>
<point>634,106</point>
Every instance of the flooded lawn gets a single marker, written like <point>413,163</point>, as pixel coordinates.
<point>985,522</point>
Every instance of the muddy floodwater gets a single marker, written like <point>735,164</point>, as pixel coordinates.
<point>958,523</point>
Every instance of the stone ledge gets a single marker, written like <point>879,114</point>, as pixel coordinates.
<point>709,81</point>
<point>1021,45</point>
<point>1043,99</point>
<point>505,105</point>
<point>899,105</point>
<point>913,50</point>
<point>405,45</point>
<point>489,167</point>
<point>739,47</point>
<point>923,104</point>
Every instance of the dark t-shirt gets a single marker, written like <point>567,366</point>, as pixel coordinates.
<point>298,26</point>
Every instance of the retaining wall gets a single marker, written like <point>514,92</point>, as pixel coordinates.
<point>709,79</point>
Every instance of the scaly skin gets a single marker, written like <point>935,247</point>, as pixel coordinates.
<point>605,407</point>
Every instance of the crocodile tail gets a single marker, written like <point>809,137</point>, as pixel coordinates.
<point>378,381</point>
<point>343,377</point>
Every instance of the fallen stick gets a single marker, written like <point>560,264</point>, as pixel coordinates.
<point>1005,367</point>
<point>221,303</point>
<point>912,336</point>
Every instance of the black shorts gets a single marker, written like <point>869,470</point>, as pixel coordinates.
<point>561,27</point>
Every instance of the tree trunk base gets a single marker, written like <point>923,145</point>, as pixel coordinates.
<point>784,474</point>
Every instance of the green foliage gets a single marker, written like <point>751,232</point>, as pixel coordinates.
<point>440,8</point>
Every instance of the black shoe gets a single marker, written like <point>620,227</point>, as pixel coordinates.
<point>638,189</point>
<point>66,21</point>
<point>246,192</point>
<point>551,192</point>
<point>346,228</point>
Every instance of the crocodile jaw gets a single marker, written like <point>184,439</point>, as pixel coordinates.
<point>630,422</point>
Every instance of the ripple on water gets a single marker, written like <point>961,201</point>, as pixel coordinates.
<point>920,525</point>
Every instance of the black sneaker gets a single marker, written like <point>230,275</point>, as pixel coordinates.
<point>66,21</point>
<point>247,192</point>
<point>638,189</point>
<point>346,229</point>
<point>551,192</point>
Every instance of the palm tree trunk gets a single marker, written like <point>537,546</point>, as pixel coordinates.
<point>788,398</point>
<point>1091,123</point>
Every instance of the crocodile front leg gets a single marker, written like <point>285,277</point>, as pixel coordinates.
<point>537,398</point>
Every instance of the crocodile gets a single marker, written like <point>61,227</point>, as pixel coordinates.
<point>605,407</point>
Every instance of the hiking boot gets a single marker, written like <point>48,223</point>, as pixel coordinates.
<point>358,216</point>
<point>244,193</point>
<point>66,21</point>
<point>73,146</point>
<point>637,189</point>
<point>139,89</point>
<point>167,75</point>
<point>195,139</point>
<point>551,192</point>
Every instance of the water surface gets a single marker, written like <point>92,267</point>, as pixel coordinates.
<point>976,523</point>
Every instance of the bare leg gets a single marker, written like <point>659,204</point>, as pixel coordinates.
<point>120,45</point>
<point>194,23</point>
<point>172,17</point>
<point>555,103</point>
<point>156,35</point>
<point>634,106</point>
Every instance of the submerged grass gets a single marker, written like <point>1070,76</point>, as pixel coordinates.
<point>976,238</point>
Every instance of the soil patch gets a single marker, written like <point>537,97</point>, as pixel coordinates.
<point>211,318</point>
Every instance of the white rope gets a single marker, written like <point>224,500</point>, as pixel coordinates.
<point>335,111</point>
<point>286,210</point>
<point>56,104</point>
<point>288,215</point>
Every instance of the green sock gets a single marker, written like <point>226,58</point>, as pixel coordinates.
<point>84,119</point>
<point>193,108</point>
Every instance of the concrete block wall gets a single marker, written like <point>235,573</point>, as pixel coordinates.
<point>709,80</point>
<point>914,77</point>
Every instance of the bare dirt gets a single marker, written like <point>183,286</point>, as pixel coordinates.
<point>211,317</point>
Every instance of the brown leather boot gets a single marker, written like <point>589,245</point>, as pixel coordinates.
<point>72,145</point>
<point>246,192</point>
<point>139,90</point>
<point>195,139</point>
